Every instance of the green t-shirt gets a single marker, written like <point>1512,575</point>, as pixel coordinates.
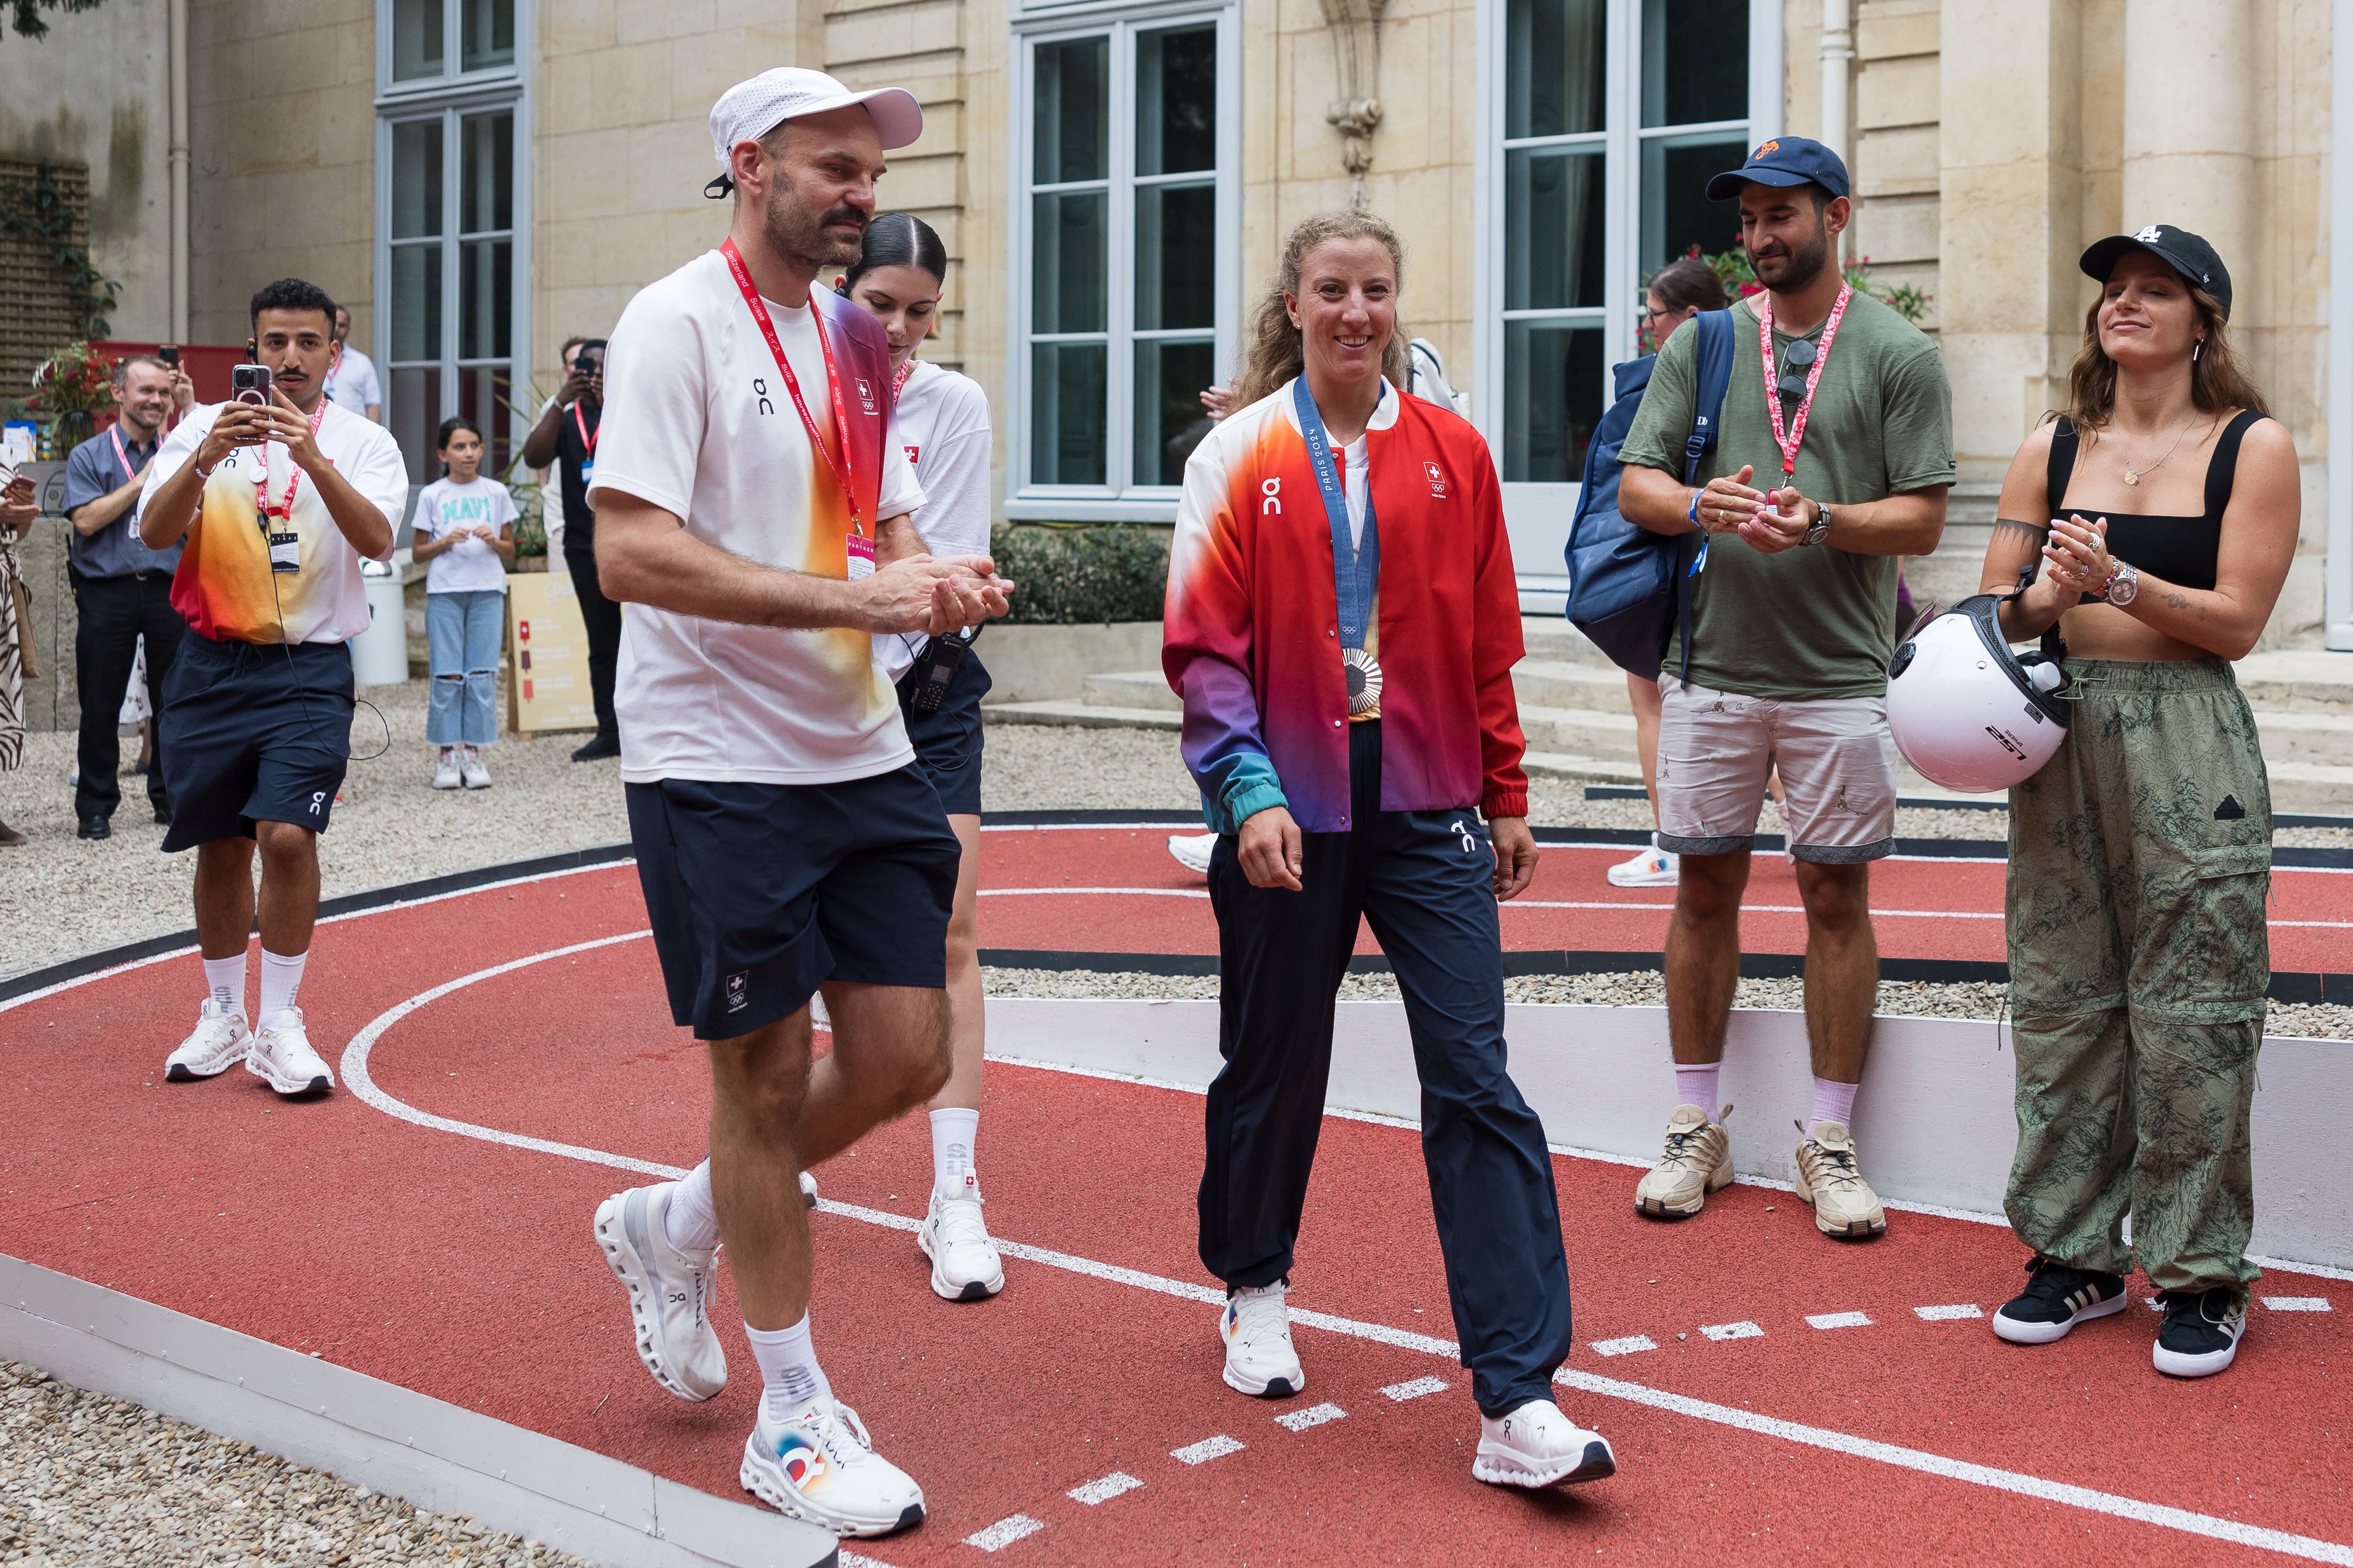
<point>1806,623</point>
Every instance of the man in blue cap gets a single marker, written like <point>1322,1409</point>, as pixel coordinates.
<point>1840,413</point>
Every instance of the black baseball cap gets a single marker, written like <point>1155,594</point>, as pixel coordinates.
<point>2185,252</point>
<point>1784,160</point>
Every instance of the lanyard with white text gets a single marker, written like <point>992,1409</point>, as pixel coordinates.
<point>1355,568</point>
<point>121,455</point>
<point>1788,439</point>
<point>841,470</point>
<point>285,502</point>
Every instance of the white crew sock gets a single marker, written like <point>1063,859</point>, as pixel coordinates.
<point>691,1223</point>
<point>282,978</point>
<point>1695,1085</point>
<point>954,1132</point>
<point>788,1369</point>
<point>224,979</point>
<point>1834,1102</point>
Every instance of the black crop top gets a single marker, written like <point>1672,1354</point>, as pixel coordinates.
<point>2180,550</point>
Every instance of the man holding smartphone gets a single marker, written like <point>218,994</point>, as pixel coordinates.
<point>273,499</point>
<point>567,436</point>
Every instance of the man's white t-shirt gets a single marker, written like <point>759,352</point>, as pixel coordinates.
<point>698,422</point>
<point>942,424</point>
<point>471,565</point>
<point>353,385</point>
<point>227,588</point>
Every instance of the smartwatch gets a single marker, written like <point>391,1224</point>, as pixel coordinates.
<point>1821,527</point>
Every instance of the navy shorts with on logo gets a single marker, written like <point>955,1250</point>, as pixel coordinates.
<point>758,894</point>
<point>253,732</point>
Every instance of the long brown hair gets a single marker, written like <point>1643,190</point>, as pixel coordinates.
<point>1276,354</point>
<point>2218,379</point>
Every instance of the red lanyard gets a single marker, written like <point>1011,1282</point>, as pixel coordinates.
<point>587,437</point>
<point>899,381</point>
<point>842,469</point>
<point>121,455</point>
<point>1789,441</point>
<point>285,502</point>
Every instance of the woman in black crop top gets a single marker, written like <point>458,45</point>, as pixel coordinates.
<point>2158,516</point>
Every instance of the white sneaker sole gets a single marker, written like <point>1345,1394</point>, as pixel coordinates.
<point>453,784</point>
<point>2173,1364</point>
<point>947,1291</point>
<point>1501,1466</point>
<point>1644,878</point>
<point>765,1479</point>
<point>213,1066</point>
<point>320,1082</point>
<point>1266,1388</point>
<point>2019,1331</point>
<point>623,1257</point>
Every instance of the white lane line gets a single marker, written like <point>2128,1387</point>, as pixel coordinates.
<point>1005,1532</point>
<point>1139,892</point>
<point>1104,1487</point>
<point>1314,1415</point>
<point>1415,1388</point>
<point>1919,1461</point>
<point>2298,1303</point>
<point>1741,1330</point>
<point>1207,1449</point>
<point>1839,1321</point>
<point>1947,1314</point>
<point>1627,1346</point>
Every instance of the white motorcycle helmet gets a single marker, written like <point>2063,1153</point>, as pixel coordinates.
<point>1966,712</point>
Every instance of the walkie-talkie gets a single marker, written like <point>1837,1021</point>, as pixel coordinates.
<point>936,668</point>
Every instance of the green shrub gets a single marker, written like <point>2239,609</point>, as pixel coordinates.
<point>1069,574</point>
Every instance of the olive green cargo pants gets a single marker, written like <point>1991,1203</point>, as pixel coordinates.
<point>2139,863</point>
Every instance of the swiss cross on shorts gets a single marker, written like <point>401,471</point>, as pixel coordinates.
<point>1437,477</point>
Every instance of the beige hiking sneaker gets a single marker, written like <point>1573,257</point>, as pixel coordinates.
<point>1829,1178</point>
<point>1697,1161</point>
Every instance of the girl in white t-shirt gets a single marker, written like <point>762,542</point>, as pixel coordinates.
<point>465,530</point>
<point>941,421</point>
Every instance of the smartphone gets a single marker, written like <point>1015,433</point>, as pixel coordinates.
<point>170,354</point>
<point>250,383</point>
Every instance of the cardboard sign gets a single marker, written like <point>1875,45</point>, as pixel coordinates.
<point>547,686</point>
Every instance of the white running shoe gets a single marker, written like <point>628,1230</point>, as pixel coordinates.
<point>281,1057</point>
<point>1653,868</point>
<point>1192,850</point>
<point>219,1042</point>
<point>822,1468</point>
<point>669,1291</point>
<point>1259,1360</point>
<point>808,1191</point>
<point>445,772</point>
<point>1537,1446</point>
<point>965,1265</point>
<point>471,771</point>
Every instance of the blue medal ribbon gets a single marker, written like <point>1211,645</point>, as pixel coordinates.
<point>1356,570</point>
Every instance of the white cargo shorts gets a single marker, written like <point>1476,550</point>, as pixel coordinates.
<point>1836,759</point>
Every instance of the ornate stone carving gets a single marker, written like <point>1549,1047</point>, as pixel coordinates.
<point>1355,29</point>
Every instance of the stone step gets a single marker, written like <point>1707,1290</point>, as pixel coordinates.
<point>1580,732</point>
<point>1080,715</point>
<point>1559,683</point>
<point>1131,688</point>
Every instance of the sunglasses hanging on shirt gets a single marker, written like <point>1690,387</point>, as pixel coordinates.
<point>1794,361</point>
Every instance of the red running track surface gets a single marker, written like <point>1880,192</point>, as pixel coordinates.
<point>463,1269</point>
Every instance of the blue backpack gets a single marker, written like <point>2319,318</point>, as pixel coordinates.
<point>1629,589</point>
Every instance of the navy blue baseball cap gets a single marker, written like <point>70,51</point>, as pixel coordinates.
<point>1784,160</point>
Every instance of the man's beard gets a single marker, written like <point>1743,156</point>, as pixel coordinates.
<point>1788,273</point>
<point>801,237</point>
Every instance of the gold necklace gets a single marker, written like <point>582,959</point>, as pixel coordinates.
<point>2133,476</point>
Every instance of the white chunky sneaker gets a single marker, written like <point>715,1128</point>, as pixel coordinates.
<point>1697,1161</point>
<point>1829,1179</point>
<point>965,1265</point>
<point>1653,868</point>
<point>219,1042</point>
<point>1537,1446</point>
<point>445,772</point>
<point>808,1191</point>
<point>1259,1360</point>
<point>472,773</point>
<point>281,1056</point>
<point>669,1291</point>
<point>1192,850</point>
<point>822,1468</point>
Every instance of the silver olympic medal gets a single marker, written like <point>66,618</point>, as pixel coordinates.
<point>1364,673</point>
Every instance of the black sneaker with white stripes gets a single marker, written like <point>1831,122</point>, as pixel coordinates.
<point>2200,1335</point>
<point>2055,1299</point>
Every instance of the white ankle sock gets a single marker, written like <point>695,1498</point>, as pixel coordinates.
<point>692,1221</point>
<point>1833,1102</point>
<point>954,1132</point>
<point>788,1369</point>
<point>224,979</point>
<point>1695,1085</point>
<point>281,979</point>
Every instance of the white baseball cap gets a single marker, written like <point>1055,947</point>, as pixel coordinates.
<point>750,110</point>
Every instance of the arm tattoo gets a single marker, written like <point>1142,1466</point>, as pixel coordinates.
<point>2030,534</point>
<point>2177,601</point>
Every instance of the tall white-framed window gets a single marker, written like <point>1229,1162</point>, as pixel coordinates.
<point>1124,278</point>
<point>1604,121</point>
<point>453,221</point>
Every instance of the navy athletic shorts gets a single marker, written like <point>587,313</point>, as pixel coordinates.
<point>253,732</point>
<point>760,893</point>
<point>947,743</point>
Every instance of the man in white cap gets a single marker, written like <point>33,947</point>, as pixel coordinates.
<point>753,513</point>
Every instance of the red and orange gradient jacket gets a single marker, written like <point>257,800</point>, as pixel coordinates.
<point>1252,637</point>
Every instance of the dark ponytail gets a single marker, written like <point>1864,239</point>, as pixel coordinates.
<point>899,239</point>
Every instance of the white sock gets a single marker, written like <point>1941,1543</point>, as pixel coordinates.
<point>1834,1102</point>
<point>282,978</point>
<point>225,978</point>
<point>788,1369</point>
<point>1695,1085</point>
<point>692,1221</point>
<point>954,1133</point>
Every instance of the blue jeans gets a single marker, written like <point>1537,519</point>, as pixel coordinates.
<point>462,630</point>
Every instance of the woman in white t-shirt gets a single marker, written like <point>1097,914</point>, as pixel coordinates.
<point>465,530</point>
<point>941,421</point>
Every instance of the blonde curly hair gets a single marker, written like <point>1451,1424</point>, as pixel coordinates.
<point>1276,353</point>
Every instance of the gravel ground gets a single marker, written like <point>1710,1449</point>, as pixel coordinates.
<point>87,1479</point>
